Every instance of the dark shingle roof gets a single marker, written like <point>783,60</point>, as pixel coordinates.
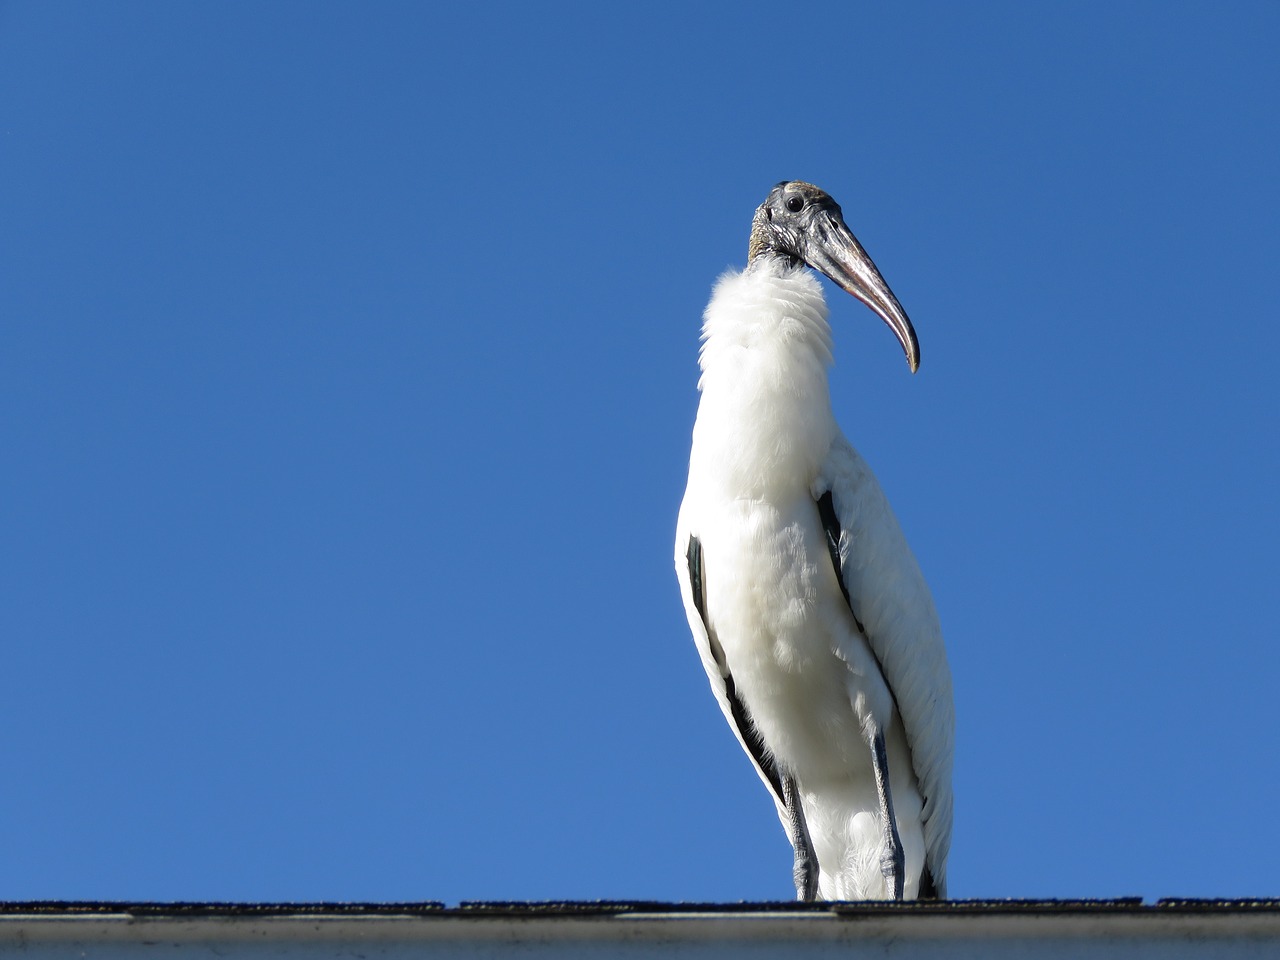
<point>598,908</point>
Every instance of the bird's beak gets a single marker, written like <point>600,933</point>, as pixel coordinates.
<point>835,251</point>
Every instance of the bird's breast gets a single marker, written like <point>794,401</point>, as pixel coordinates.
<point>761,435</point>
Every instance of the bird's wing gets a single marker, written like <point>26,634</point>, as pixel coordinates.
<point>891,602</point>
<point>690,569</point>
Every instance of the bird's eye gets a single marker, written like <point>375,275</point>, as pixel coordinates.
<point>795,204</point>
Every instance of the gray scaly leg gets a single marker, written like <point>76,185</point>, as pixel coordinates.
<point>805,869</point>
<point>893,863</point>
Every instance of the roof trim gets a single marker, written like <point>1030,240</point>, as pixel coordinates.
<point>606,908</point>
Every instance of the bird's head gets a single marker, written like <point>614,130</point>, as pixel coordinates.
<point>798,222</point>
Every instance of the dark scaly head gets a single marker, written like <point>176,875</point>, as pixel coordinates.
<point>800,223</point>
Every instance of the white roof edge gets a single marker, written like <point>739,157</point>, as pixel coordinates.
<point>1107,928</point>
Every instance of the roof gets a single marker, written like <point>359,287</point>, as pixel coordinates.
<point>956,928</point>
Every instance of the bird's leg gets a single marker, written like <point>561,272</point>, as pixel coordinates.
<point>893,862</point>
<point>805,869</point>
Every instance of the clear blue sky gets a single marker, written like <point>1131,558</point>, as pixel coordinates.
<point>347,370</point>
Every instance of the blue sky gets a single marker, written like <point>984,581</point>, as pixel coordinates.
<point>347,369</point>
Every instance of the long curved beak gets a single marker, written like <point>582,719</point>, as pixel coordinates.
<point>835,251</point>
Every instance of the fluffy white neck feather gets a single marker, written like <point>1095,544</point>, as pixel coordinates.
<point>765,404</point>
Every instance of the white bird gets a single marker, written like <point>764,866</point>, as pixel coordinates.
<point>814,623</point>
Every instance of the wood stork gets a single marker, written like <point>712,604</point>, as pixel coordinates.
<point>814,623</point>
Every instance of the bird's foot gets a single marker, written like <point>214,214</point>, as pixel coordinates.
<point>893,866</point>
<point>805,873</point>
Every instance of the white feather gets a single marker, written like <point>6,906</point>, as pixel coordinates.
<point>765,447</point>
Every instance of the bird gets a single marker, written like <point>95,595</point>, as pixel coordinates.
<point>811,616</point>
